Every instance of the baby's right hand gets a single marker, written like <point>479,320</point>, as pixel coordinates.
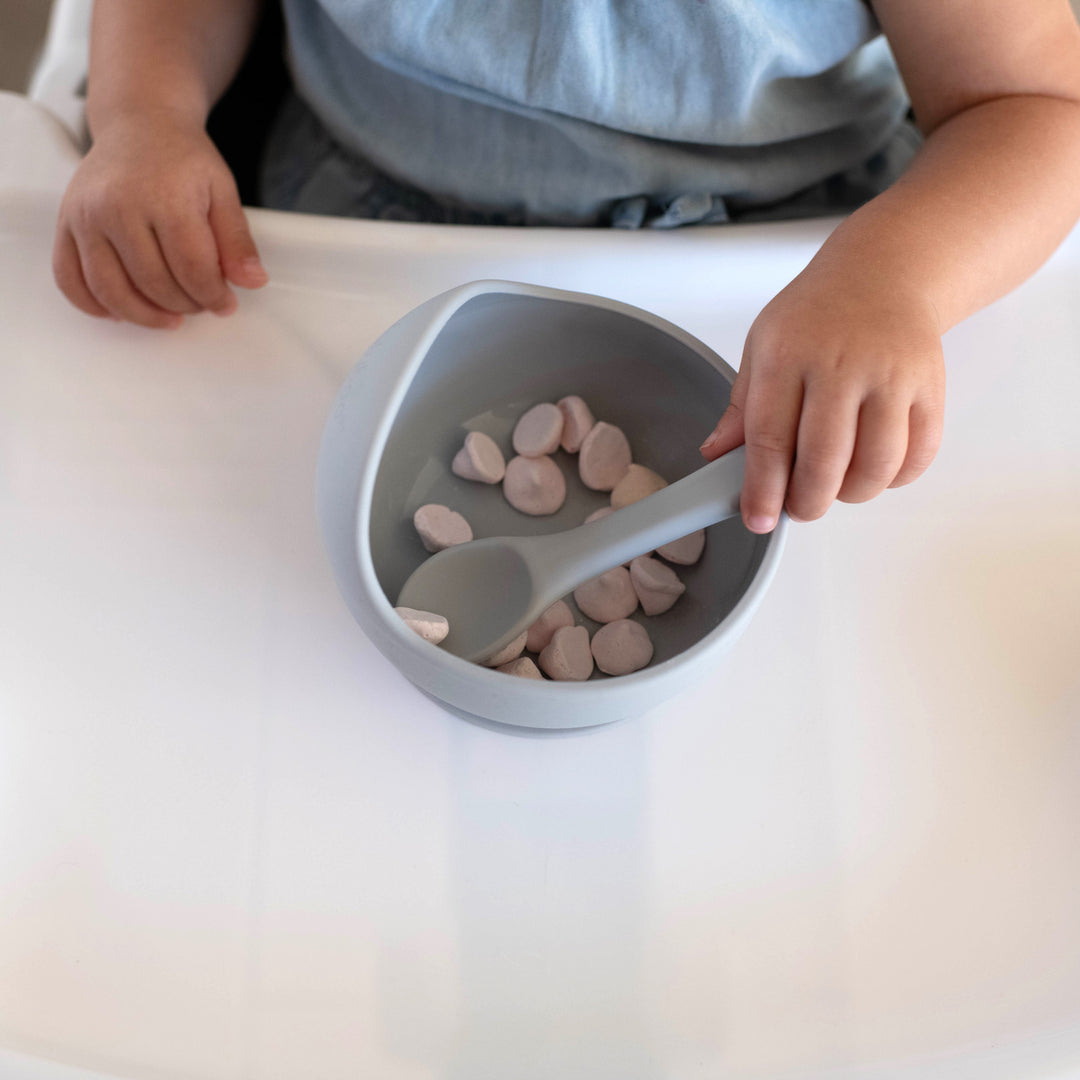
<point>151,227</point>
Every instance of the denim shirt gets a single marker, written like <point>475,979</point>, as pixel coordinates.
<point>558,110</point>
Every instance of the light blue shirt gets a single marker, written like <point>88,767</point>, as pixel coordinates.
<point>560,108</point>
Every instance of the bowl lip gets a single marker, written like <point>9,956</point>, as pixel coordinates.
<point>437,659</point>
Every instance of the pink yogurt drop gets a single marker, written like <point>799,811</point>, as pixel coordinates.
<point>621,647</point>
<point>608,597</point>
<point>568,657</point>
<point>534,485</point>
<point>522,667</point>
<point>578,421</point>
<point>657,586</point>
<point>604,457</point>
<point>427,624</point>
<point>538,432</point>
<point>637,483</point>
<point>479,459</point>
<point>440,527</point>
<point>541,631</point>
<point>508,652</point>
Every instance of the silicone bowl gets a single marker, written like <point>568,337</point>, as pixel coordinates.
<point>476,358</point>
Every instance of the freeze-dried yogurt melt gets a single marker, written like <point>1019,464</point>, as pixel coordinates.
<point>686,550</point>
<point>427,624</point>
<point>657,586</point>
<point>440,527</point>
<point>556,616</point>
<point>604,457</point>
<point>568,657</point>
<point>621,647</point>
<point>637,483</point>
<point>534,485</point>
<point>508,652</point>
<point>479,459</point>
<point>608,597</point>
<point>522,667</point>
<point>538,432</point>
<point>578,421</point>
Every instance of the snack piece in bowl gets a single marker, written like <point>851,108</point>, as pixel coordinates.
<point>608,597</point>
<point>523,667</point>
<point>657,586</point>
<point>440,527</point>
<point>539,634</point>
<point>479,459</point>
<point>604,457</point>
<point>621,647</point>
<point>427,624</point>
<point>534,485</point>
<point>568,657</point>
<point>578,421</point>
<point>637,483</point>
<point>508,652</point>
<point>538,432</point>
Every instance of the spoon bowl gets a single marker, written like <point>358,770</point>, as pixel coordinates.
<point>474,359</point>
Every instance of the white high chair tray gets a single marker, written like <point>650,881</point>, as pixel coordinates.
<point>235,843</point>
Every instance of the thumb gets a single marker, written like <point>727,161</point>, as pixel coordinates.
<point>730,429</point>
<point>240,261</point>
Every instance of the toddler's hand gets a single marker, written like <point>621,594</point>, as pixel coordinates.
<point>151,227</point>
<point>840,395</point>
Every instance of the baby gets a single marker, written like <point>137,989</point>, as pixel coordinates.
<point>627,113</point>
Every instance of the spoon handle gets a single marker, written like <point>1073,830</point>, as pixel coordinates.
<point>708,495</point>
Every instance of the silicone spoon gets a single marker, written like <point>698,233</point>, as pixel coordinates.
<point>491,590</point>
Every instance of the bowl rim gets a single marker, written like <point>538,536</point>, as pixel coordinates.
<point>446,664</point>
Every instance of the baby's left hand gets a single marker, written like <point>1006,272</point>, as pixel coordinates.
<point>840,394</point>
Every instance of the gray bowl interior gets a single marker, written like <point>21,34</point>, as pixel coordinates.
<point>501,353</point>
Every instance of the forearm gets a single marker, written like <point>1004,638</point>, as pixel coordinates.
<point>988,198</point>
<point>165,56</point>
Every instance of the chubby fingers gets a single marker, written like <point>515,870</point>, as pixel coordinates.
<point>144,260</point>
<point>730,429</point>
<point>808,445</point>
<point>880,447</point>
<point>130,273</point>
<point>240,261</point>
<point>774,401</point>
<point>67,269</point>
<point>152,271</point>
<point>925,422</point>
<point>111,285</point>
<point>191,250</point>
<point>206,252</point>
<point>851,450</point>
<point>763,413</point>
<point>825,442</point>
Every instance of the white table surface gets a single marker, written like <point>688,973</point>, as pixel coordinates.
<point>235,843</point>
